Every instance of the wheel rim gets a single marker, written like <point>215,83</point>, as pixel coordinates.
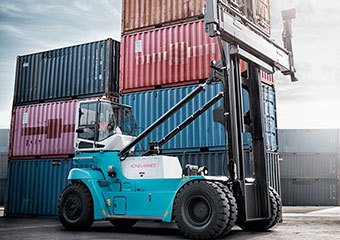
<point>72,207</point>
<point>198,211</point>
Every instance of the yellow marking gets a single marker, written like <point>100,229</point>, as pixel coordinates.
<point>108,202</point>
<point>185,179</point>
<point>104,212</point>
<point>166,213</point>
<point>89,180</point>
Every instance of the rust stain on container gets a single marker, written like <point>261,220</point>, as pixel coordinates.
<point>144,14</point>
<point>167,56</point>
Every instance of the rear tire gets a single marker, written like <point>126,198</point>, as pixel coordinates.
<point>201,210</point>
<point>75,207</point>
<point>123,223</point>
<point>264,225</point>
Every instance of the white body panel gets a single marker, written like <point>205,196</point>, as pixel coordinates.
<point>152,167</point>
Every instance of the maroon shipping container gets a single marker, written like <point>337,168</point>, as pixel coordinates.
<point>171,56</point>
<point>146,14</point>
<point>168,57</point>
<point>45,129</point>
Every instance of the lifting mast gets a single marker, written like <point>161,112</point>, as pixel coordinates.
<point>239,38</point>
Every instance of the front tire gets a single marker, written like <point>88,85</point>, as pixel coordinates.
<point>201,210</point>
<point>75,207</point>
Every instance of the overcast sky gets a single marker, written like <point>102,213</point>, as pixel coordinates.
<point>28,26</point>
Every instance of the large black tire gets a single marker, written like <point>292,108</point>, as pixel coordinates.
<point>279,207</point>
<point>201,210</point>
<point>123,223</point>
<point>264,225</point>
<point>232,207</point>
<point>75,207</point>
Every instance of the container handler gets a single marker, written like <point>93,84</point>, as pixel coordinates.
<point>111,183</point>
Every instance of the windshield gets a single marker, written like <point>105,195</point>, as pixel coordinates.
<point>99,120</point>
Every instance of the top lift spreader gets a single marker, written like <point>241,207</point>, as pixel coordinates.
<point>112,184</point>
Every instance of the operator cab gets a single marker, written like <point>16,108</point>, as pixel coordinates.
<point>103,125</point>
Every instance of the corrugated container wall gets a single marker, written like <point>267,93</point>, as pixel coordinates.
<point>309,140</point>
<point>35,186</point>
<point>139,15</point>
<point>180,54</point>
<point>310,192</point>
<point>258,14</point>
<point>310,166</point>
<point>71,72</point>
<point>177,55</point>
<point>144,14</point>
<point>203,132</point>
<point>4,140</point>
<point>43,129</point>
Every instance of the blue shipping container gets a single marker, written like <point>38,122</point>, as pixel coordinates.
<point>35,186</point>
<point>89,69</point>
<point>203,132</point>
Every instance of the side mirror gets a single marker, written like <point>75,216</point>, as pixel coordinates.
<point>80,130</point>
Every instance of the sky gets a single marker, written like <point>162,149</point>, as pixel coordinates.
<point>28,26</point>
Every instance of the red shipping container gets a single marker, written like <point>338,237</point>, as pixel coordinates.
<point>171,56</point>
<point>45,129</point>
<point>166,57</point>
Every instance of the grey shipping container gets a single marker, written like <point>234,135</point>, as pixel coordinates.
<point>310,192</point>
<point>309,140</point>
<point>89,69</point>
<point>4,140</point>
<point>2,191</point>
<point>3,165</point>
<point>310,165</point>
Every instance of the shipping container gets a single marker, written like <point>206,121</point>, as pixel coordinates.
<point>258,12</point>
<point>43,129</point>
<point>139,15</point>
<point>3,182</point>
<point>4,140</point>
<point>310,165</point>
<point>180,54</point>
<point>35,186</point>
<point>144,14</point>
<point>310,192</point>
<point>72,72</point>
<point>170,56</point>
<point>215,162</point>
<point>203,132</point>
<point>309,140</point>
<point>3,165</point>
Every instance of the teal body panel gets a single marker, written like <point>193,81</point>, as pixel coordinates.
<point>119,196</point>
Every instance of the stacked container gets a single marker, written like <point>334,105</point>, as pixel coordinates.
<point>165,53</point>
<point>310,166</point>
<point>48,86</point>
<point>4,138</point>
